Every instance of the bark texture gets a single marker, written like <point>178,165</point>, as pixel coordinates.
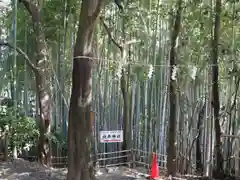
<point>199,163</point>
<point>126,108</point>
<point>80,166</point>
<point>215,91</point>
<point>171,149</point>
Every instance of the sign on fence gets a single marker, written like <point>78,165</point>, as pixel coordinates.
<point>111,136</point>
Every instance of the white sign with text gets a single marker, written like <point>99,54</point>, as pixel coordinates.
<point>111,136</point>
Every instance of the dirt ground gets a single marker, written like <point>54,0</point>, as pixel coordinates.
<point>20,169</point>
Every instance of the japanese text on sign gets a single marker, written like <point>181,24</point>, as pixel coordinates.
<point>111,136</point>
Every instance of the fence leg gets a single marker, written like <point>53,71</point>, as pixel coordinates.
<point>133,159</point>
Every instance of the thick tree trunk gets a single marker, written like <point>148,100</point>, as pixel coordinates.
<point>45,107</point>
<point>215,92</point>
<point>80,166</point>
<point>43,91</point>
<point>171,149</point>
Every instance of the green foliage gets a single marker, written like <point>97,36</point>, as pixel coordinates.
<point>59,139</point>
<point>22,131</point>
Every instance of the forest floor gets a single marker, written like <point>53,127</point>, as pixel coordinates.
<point>20,169</point>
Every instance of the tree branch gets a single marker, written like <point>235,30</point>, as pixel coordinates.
<point>20,51</point>
<point>98,9</point>
<point>119,4</point>
<point>119,46</point>
<point>32,10</point>
<point>110,36</point>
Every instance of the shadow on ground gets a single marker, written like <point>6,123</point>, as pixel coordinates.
<point>20,169</point>
<point>115,177</point>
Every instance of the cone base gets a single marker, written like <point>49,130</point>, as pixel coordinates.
<point>154,178</point>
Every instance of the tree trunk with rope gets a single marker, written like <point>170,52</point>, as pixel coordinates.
<point>80,165</point>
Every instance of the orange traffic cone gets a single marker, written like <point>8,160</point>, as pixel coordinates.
<point>155,169</point>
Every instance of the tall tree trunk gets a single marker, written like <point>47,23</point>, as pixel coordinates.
<point>80,166</point>
<point>124,84</point>
<point>231,123</point>
<point>43,91</point>
<point>126,117</point>
<point>215,90</point>
<point>199,163</point>
<point>171,149</point>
